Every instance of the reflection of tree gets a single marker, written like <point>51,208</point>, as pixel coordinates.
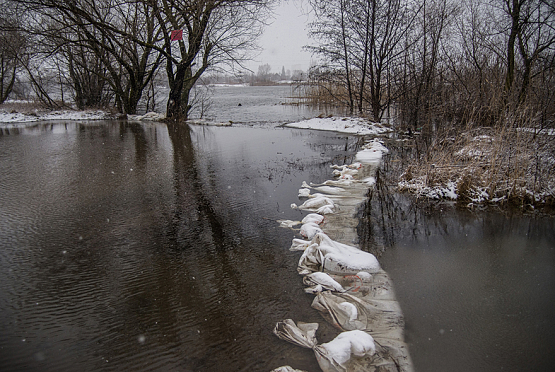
<point>158,253</point>
<point>388,216</point>
<point>189,190</point>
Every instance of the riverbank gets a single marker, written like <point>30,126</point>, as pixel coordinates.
<point>505,166</point>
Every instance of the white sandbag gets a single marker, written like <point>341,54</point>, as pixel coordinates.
<point>339,182</point>
<point>286,369</point>
<point>308,230</point>
<point>313,217</point>
<point>372,152</point>
<point>330,190</point>
<point>364,276</point>
<point>315,202</point>
<point>299,245</point>
<point>326,209</point>
<point>345,171</point>
<point>376,144</point>
<point>304,193</point>
<point>381,317</point>
<point>369,181</point>
<point>336,354</point>
<point>341,167</point>
<point>288,223</point>
<point>349,351</point>
<point>346,177</point>
<point>368,156</point>
<point>301,334</point>
<point>319,281</point>
<point>336,258</point>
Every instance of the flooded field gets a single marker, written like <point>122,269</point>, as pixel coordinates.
<point>125,246</point>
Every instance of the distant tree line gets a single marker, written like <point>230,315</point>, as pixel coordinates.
<point>264,76</point>
<point>111,52</point>
<point>431,62</point>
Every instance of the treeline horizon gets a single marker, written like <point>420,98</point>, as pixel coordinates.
<point>423,63</point>
<point>436,62</point>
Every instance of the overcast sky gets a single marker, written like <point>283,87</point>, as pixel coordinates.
<point>284,38</point>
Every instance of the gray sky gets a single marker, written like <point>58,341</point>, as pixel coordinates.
<point>284,38</point>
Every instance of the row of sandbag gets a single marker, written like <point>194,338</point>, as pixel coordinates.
<point>351,290</point>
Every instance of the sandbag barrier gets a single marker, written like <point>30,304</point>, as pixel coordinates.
<point>351,290</point>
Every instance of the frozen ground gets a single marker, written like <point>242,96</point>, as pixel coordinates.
<point>342,124</point>
<point>12,117</point>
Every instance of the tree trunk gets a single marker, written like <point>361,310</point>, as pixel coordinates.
<point>346,59</point>
<point>514,12</point>
<point>174,110</point>
<point>4,93</point>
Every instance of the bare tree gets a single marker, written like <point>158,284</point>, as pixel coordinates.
<point>383,26</point>
<point>332,32</point>
<point>214,32</point>
<point>131,38</point>
<point>12,46</point>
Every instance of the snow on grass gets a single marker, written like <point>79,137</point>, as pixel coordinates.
<point>149,116</point>
<point>418,187</point>
<point>341,124</point>
<point>17,117</point>
<point>546,131</point>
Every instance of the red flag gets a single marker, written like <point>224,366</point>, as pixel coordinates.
<point>176,35</point>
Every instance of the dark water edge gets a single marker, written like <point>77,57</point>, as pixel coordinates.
<point>477,287</point>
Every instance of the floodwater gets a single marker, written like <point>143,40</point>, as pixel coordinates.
<point>477,291</point>
<point>127,246</point>
<point>259,106</point>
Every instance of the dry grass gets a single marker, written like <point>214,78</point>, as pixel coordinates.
<point>28,107</point>
<point>504,164</point>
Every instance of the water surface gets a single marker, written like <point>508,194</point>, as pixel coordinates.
<point>128,246</point>
<point>477,287</point>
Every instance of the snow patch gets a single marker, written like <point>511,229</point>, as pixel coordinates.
<point>17,117</point>
<point>341,124</point>
<point>149,116</point>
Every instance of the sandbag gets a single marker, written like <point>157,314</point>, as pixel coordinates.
<point>313,217</point>
<point>318,203</point>
<point>376,316</point>
<point>318,282</point>
<point>349,351</point>
<point>337,258</point>
<point>286,369</point>
<point>309,230</point>
<point>380,318</point>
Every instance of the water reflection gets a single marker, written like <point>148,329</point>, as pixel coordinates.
<point>138,247</point>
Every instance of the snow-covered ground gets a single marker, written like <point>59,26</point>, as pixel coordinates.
<point>18,117</point>
<point>342,124</point>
